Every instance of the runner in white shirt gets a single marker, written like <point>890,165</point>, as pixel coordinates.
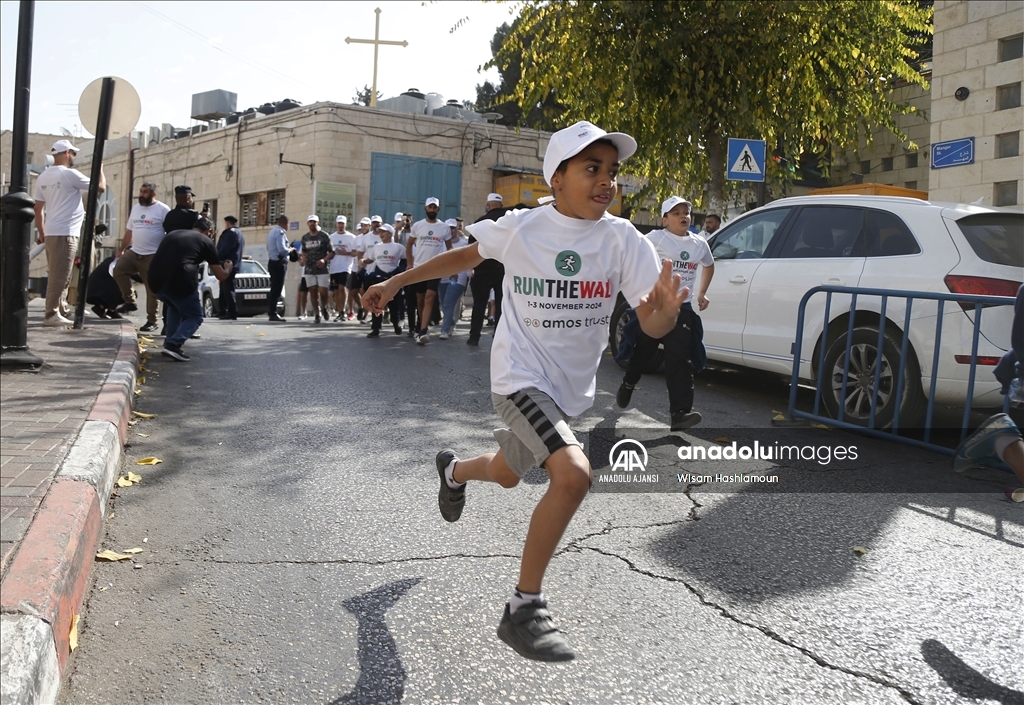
<point>687,252</point>
<point>143,235</point>
<point>342,264</point>
<point>59,214</point>
<point>364,248</point>
<point>427,239</point>
<point>384,261</point>
<point>564,266</point>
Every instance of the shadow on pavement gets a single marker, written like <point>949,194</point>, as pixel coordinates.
<point>964,680</point>
<point>381,674</point>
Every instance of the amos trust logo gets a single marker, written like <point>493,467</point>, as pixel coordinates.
<point>628,456</point>
<point>568,263</point>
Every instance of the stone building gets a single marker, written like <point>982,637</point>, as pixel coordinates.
<point>975,78</point>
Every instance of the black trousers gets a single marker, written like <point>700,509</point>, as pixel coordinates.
<point>227,297</point>
<point>411,307</point>
<point>678,370</point>
<point>481,285</point>
<point>394,305</point>
<point>277,268</point>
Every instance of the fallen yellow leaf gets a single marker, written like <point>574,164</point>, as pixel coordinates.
<point>141,380</point>
<point>859,550</point>
<point>124,482</point>
<point>263,335</point>
<point>144,339</point>
<point>778,417</point>
<point>148,461</point>
<point>138,391</point>
<point>821,425</point>
<point>133,550</point>
<point>73,636</point>
<point>134,477</point>
<point>722,439</point>
<point>143,416</point>
<point>142,435</point>
<point>109,555</point>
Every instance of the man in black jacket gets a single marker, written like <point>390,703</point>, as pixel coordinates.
<point>486,276</point>
<point>230,248</point>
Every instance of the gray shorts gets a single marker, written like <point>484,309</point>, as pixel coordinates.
<point>536,429</point>
<point>322,280</point>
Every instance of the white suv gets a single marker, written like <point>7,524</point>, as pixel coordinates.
<point>767,259</point>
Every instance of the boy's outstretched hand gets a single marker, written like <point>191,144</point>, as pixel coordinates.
<point>666,297</point>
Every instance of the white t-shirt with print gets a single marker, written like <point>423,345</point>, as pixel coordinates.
<point>61,189</point>
<point>147,226</point>
<point>686,253</point>
<point>342,263</point>
<point>364,244</point>
<point>430,239</point>
<point>387,255</point>
<point>562,277</point>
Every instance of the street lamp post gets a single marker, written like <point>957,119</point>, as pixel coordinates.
<point>18,213</point>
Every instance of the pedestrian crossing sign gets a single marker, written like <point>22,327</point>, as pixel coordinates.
<point>745,160</point>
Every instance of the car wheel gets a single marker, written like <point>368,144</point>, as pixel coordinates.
<point>208,310</point>
<point>618,322</point>
<point>860,384</point>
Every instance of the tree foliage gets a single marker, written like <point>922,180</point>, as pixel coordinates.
<point>541,115</point>
<point>808,76</point>
<point>362,96</point>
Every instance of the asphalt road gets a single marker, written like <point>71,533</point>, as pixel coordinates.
<point>293,552</point>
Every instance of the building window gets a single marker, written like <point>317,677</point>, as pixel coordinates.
<point>1005,193</point>
<point>1011,48</point>
<point>1007,145</point>
<point>886,163</point>
<point>912,160</point>
<point>1008,97</point>
<point>911,185</point>
<point>275,206</point>
<point>865,167</point>
<point>247,217</point>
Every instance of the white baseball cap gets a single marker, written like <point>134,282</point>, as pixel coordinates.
<point>672,202</point>
<point>63,146</point>
<point>364,221</point>
<point>432,202</point>
<point>399,216</point>
<point>494,197</point>
<point>376,219</point>
<point>573,140</point>
<point>341,219</point>
<point>314,218</point>
<point>390,228</point>
<point>451,223</point>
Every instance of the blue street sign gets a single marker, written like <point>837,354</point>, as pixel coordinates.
<point>745,160</point>
<point>953,153</point>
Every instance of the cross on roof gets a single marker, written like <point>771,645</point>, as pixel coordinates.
<point>376,42</point>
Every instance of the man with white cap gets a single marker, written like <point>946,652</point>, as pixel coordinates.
<point>315,258</point>
<point>487,277</point>
<point>687,251</point>
<point>427,239</point>
<point>59,216</point>
<point>342,264</point>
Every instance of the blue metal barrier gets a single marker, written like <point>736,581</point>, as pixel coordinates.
<point>978,301</point>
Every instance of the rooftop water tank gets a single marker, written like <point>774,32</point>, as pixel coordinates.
<point>415,93</point>
<point>434,101</point>
<point>288,104</point>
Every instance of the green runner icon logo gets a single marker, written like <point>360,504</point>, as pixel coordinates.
<point>684,255</point>
<point>568,263</point>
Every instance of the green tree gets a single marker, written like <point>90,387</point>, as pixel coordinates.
<point>541,115</point>
<point>362,96</point>
<point>808,76</point>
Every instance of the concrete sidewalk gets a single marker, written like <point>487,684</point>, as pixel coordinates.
<point>62,431</point>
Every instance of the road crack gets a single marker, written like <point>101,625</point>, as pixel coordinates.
<point>344,561</point>
<point>770,633</point>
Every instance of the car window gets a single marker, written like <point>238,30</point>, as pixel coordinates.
<point>749,238</point>
<point>824,231</point>
<point>250,267</point>
<point>996,237</point>
<point>885,235</point>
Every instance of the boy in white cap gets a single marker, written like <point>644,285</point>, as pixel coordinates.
<point>344,261</point>
<point>687,251</point>
<point>383,262</point>
<point>427,239</point>
<point>565,264</point>
<point>315,258</point>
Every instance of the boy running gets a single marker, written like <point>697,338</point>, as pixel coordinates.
<point>685,250</point>
<point>565,265</point>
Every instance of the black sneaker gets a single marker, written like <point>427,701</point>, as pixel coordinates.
<point>475,342</point>
<point>682,420</point>
<point>624,394</point>
<point>373,334</point>
<point>148,328</point>
<point>174,352</point>
<point>532,633</point>
<point>449,501</point>
<point>111,313</point>
<point>398,329</point>
<point>127,308</point>
<point>100,313</point>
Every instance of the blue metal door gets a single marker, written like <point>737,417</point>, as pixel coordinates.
<point>401,183</point>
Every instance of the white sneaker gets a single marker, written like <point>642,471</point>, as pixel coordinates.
<point>443,336</point>
<point>423,339</point>
<point>57,321</point>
